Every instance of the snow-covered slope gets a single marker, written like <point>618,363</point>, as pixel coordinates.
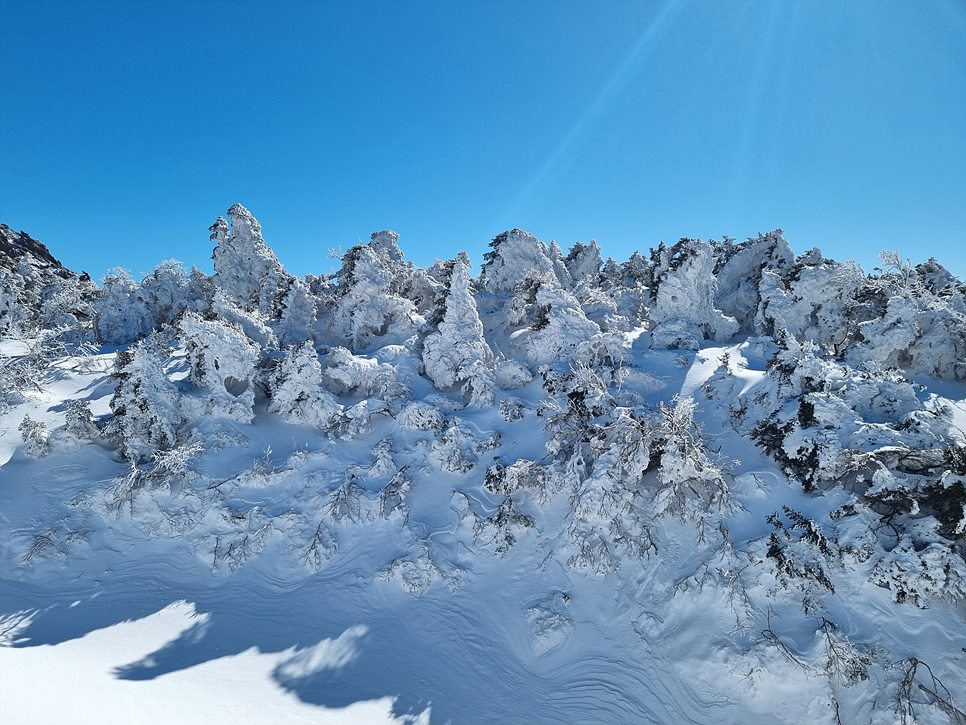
<point>692,487</point>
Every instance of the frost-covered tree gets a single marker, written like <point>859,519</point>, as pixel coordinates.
<point>222,361</point>
<point>560,327</point>
<point>145,403</point>
<point>683,307</point>
<point>165,292</point>
<point>66,304</point>
<point>79,421</point>
<point>514,257</point>
<point>250,322</point>
<point>297,392</point>
<point>36,437</point>
<point>739,273</point>
<point>121,315</point>
<point>456,352</point>
<point>367,307</point>
<point>296,312</point>
<point>584,263</point>
<point>246,269</point>
<point>813,300</point>
<point>691,485</point>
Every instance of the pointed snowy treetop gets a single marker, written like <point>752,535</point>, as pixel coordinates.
<point>515,255</point>
<point>455,351</point>
<point>386,243</point>
<point>244,264</point>
<point>584,262</point>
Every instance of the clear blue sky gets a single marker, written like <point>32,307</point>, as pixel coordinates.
<point>127,127</point>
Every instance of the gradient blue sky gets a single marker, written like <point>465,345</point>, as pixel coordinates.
<point>127,127</point>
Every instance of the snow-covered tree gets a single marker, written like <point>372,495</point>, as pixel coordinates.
<point>456,352</point>
<point>145,403</point>
<point>367,308</point>
<point>222,361</point>
<point>79,421</point>
<point>120,313</point>
<point>246,269</point>
<point>691,485</point>
<point>296,312</point>
<point>514,257</point>
<point>297,391</point>
<point>36,437</point>
<point>165,292</point>
<point>684,308</point>
<point>560,327</point>
<point>584,263</point>
<point>739,272</point>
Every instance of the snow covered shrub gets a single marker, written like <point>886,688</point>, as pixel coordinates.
<point>367,307</point>
<point>500,530</point>
<point>683,306</point>
<point>420,416</point>
<point>813,300</point>
<point>79,420</point>
<point>121,315</point>
<point>222,362</point>
<point>345,373</point>
<point>691,485</point>
<point>392,498</point>
<point>903,324</point>
<point>801,552</point>
<point>454,450</point>
<point>145,404</point>
<point>321,547</point>
<point>512,410</point>
<point>66,305</point>
<point>456,352</point>
<point>165,292</point>
<point>345,503</point>
<point>251,323</point>
<point>296,311</point>
<point>584,262</point>
<point>511,374</point>
<point>414,573</point>
<point>35,436</point>
<point>297,392</point>
<point>514,257</point>
<point>920,571</point>
<point>560,329</point>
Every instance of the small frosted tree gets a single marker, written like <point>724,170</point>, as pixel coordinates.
<point>457,351</point>
<point>514,257</point>
<point>691,484</point>
<point>35,436</point>
<point>222,361</point>
<point>145,404</point>
<point>120,313</point>
<point>367,307</point>
<point>296,313</point>
<point>297,392</point>
<point>165,292</point>
<point>79,421</point>
<point>561,326</point>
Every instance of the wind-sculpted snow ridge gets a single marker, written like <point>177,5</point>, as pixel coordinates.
<point>714,482</point>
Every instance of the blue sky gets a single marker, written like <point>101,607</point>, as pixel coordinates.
<point>127,127</point>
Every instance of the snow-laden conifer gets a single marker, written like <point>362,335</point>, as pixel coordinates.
<point>456,352</point>
<point>145,403</point>
<point>297,392</point>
